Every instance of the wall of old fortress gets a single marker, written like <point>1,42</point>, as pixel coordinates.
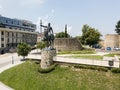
<point>62,44</point>
<point>112,40</point>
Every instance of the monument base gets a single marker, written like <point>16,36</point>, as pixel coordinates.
<point>47,58</point>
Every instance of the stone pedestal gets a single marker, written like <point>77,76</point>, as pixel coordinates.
<point>47,58</point>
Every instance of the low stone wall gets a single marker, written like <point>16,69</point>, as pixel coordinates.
<point>66,44</point>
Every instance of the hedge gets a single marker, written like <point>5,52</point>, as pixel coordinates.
<point>115,70</point>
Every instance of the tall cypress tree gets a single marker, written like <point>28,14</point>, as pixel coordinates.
<point>118,27</point>
<point>66,31</point>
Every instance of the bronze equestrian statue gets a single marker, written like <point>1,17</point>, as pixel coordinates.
<point>48,35</point>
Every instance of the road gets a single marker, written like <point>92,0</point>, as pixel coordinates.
<point>9,58</point>
<point>13,58</point>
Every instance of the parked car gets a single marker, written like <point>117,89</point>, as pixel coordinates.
<point>117,49</point>
<point>108,48</point>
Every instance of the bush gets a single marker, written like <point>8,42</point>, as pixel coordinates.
<point>91,67</point>
<point>102,69</point>
<point>115,70</point>
<point>80,66</point>
<point>47,70</point>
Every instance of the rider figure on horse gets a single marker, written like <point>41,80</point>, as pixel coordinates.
<point>48,35</point>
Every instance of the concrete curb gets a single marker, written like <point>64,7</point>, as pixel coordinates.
<point>4,87</point>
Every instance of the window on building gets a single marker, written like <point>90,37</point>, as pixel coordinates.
<point>12,44</point>
<point>8,40</point>
<point>2,39</point>
<point>16,34</point>
<point>2,45</point>
<point>8,34</point>
<point>2,33</point>
<point>12,34</point>
<point>6,21</point>
<point>12,22</point>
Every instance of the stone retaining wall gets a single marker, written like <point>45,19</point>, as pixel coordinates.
<point>66,44</point>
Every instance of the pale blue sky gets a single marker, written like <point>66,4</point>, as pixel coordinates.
<point>100,14</point>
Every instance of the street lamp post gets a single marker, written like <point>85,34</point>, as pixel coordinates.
<point>12,59</point>
<point>12,50</point>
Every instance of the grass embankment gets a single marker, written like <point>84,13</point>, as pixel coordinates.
<point>112,54</point>
<point>79,54</point>
<point>91,51</point>
<point>92,57</point>
<point>27,77</point>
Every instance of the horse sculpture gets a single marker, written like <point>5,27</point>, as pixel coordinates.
<point>48,35</point>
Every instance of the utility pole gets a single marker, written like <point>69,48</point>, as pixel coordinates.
<point>40,26</point>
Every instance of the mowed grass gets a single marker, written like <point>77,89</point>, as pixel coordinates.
<point>112,54</point>
<point>92,57</point>
<point>78,52</point>
<point>27,77</point>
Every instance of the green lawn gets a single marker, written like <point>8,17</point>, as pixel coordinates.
<point>78,52</point>
<point>112,54</point>
<point>93,57</point>
<point>27,77</point>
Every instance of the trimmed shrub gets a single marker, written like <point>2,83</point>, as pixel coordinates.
<point>47,70</point>
<point>115,70</point>
<point>102,69</point>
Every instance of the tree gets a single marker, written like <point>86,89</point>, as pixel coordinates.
<point>41,45</point>
<point>66,35</point>
<point>23,49</point>
<point>85,28</point>
<point>62,35</point>
<point>118,27</point>
<point>90,36</point>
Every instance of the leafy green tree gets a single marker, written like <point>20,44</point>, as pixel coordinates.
<point>62,35</point>
<point>23,49</point>
<point>41,45</point>
<point>90,36</point>
<point>85,28</point>
<point>118,27</point>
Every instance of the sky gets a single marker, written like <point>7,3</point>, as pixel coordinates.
<point>99,14</point>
